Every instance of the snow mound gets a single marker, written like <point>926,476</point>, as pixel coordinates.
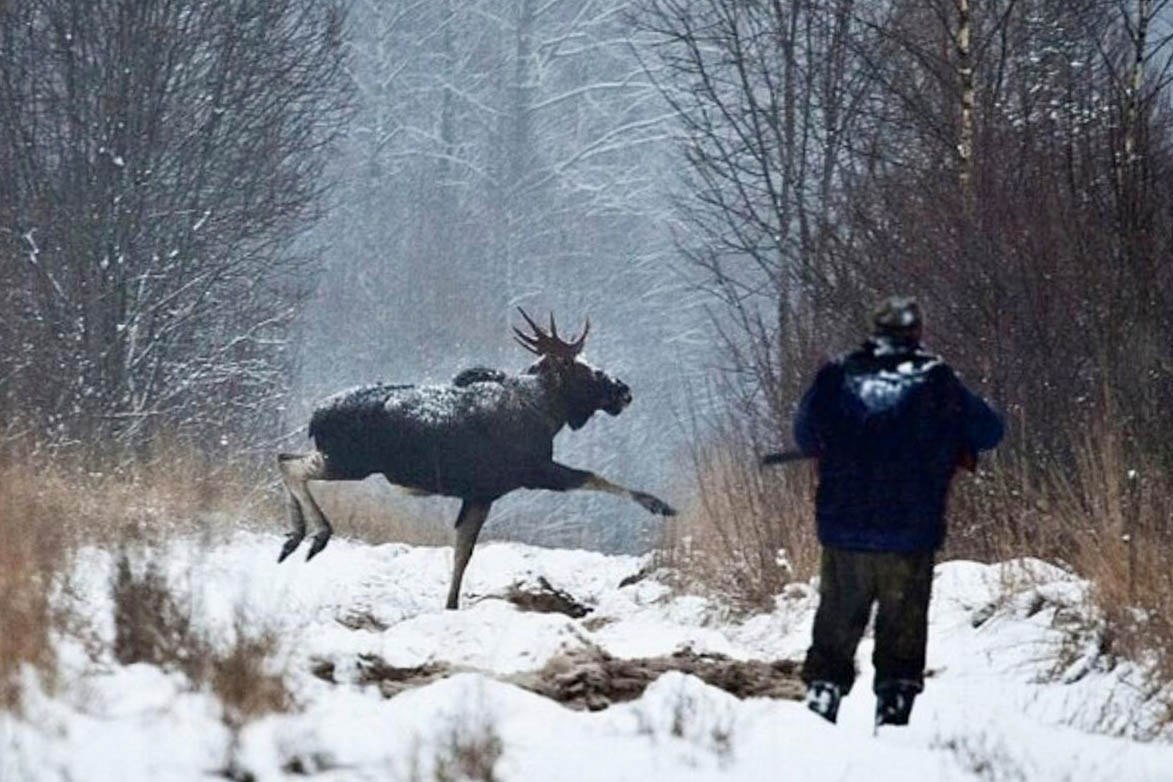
<point>1017,687</point>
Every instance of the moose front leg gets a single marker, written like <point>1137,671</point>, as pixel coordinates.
<point>559,477</point>
<point>468,526</point>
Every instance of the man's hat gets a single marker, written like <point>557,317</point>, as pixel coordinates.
<point>897,316</point>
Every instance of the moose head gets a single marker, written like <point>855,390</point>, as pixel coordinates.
<point>584,387</point>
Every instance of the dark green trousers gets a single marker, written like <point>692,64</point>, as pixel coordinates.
<point>850,582</point>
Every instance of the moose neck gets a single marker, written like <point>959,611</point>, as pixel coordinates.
<point>545,394</point>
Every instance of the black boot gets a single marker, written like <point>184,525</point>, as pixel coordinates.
<point>823,699</point>
<point>894,702</point>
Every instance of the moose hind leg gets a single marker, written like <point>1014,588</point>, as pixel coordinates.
<point>296,472</point>
<point>468,526</point>
<point>296,527</point>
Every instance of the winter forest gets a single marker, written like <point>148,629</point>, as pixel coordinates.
<point>214,215</point>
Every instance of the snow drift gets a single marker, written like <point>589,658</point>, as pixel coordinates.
<point>1018,687</point>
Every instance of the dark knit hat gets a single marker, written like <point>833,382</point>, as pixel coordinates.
<point>897,316</point>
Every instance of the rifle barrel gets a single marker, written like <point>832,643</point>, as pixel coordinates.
<point>782,457</point>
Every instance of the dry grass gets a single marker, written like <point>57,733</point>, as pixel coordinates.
<point>1123,542</point>
<point>34,552</point>
<point>153,625</point>
<point>48,510</point>
<point>466,749</point>
<point>469,753</point>
<point>1109,518</point>
<point>749,532</point>
<point>986,757</point>
<point>168,492</point>
<point>244,681</point>
<point>150,624</point>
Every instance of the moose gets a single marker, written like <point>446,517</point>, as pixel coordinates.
<point>478,438</point>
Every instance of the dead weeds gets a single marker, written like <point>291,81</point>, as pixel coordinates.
<point>592,680</point>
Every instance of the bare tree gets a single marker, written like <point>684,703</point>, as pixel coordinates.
<point>160,159</point>
<point>1141,309</point>
<point>506,153</point>
<point>772,97</point>
<point>1000,158</point>
<point>1023,252</point>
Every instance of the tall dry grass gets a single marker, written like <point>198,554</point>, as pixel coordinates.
<point>48,510</point>
<point>1108,516</point>
<point>749,530</point>
<point>152,624</point>
<point>35,550</point>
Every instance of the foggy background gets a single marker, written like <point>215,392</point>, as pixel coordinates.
<point>213,215</point>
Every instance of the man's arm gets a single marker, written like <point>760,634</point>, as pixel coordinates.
<point>982,426</point>
<point>807,417</point>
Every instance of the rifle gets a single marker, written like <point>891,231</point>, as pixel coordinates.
<point>966,460</point>
<point>782,457</point>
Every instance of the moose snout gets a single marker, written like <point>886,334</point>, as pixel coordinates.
<point>619,398</point>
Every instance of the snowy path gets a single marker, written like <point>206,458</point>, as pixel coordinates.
<point>988,712</point>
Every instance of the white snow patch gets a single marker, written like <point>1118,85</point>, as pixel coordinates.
<point>989,711</point>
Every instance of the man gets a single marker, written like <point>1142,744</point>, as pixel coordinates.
<point>889,424</point>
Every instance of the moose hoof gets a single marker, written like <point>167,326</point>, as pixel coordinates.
<point>292,541</point>
<point>320,541</point>
<point>655,504</point>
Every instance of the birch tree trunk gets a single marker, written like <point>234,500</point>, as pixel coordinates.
<point>965,134</point>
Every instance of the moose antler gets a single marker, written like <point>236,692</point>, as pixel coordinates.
<point>550,344</point>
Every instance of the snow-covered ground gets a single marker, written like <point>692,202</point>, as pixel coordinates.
<point>993,708</point>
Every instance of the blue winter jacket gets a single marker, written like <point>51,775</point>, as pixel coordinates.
<point>889,425</point>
